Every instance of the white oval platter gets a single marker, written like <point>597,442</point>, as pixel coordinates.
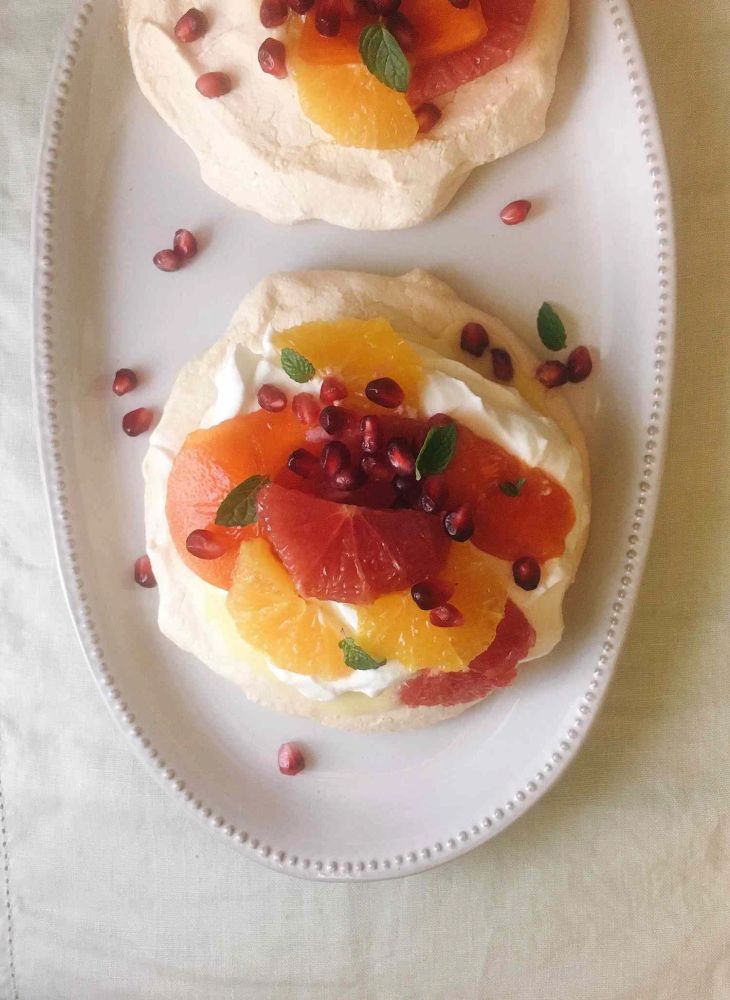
<point>114,183</point>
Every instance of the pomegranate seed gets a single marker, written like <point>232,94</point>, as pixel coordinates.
<point>301,6</point>
<point>306,408</point>
<point>376,468</point>
<point>427,116</point>
<point>474,339</point>
<point>328,16</point>
<point>439,420</point>
<point>273,13</point>
<point>124,381</point>
<point>401,457</point>
<point>272,58</point>
<point>137,421</point>
<point>334,419</point>
<point>349,479</point>
<point>213,84</point>
<point>335,457</point>
<point>370,428</point>
<point>143,574</point>
<point>515,212</point>
<point>405,34</point>
<point>446,616</point>
<point>552,374</point>
<point>580,364</point>
<point>459,524</point>
<point>271,398</point>
<point>382,8</point>
<point>407,489</point>
<point>303,463</point>
<point>502,365</point>
<point>204,544</point>
<point>184,244</point>
<point>385,392</point>
<point>191,26</point>
<point>459,4</point>
<point>332,389</point>
<point>526,572</point>
<point>431,594</point>
<point>433,493</point>
<point>290,759</point>
<point>167,260</point>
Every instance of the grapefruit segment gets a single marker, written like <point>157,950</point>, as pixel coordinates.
<point>340,552</point>
<point>495,667</point>
<point>297,635</point>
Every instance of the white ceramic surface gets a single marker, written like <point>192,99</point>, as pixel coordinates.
<point>113,186</point>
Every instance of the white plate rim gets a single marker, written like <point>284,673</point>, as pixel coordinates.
<point>420,858</point>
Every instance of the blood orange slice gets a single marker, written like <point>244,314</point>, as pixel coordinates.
<point>507,22</point>
<point>339,552</point>
<point>495,667</point>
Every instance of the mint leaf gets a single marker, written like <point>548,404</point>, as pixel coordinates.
<point>239,507</point>
<point>550,327</point>
<point>512,489</point>
<point>356,658</point>
<point>384,57</point>
<point>296,366</point>
<point>436,451</point>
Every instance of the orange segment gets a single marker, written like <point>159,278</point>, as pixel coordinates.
<point>207,467</point>
<point>393,626</point>
<point>358,350</point>
<point>297,635</point>
<point>353,107</point>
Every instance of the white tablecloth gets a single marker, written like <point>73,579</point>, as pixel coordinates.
<point>614,886</point>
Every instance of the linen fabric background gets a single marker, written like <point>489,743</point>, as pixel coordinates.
<point>615,886</point>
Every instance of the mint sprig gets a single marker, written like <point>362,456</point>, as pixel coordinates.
<point>296,366</point>
<point>383,56</point>
<point>550,328</point>
<point>356,657</point>
<point>512,489</point>
<point>239,508</point>
<point>436,451</point>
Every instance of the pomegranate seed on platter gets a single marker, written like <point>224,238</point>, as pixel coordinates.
<point>385,392</point>
<point>335,457</point>
<point>273,12</point>
<point>446,616</point>
<point>301,6</point>
<point>332,389</point>
<point>552,374</point>
<point>306,408</point>
<point>214,84</point>
<point>303,463</point>
<point>401,457</point>
<point>427,116</point>
<point>459,524</point>
<point>271,398</point>
<point>328,16</point>
<point>515,212</point>
<point>290,759</point>
<point>502,365</point>
<point>167,260</point>
<point>272,58</point>
<point>370,429</point>
<point>474,339</point>
<point>349,479</point>
<point>191,26</point>
<point>204,544</point>
<point>334,419</point>
<point>526,572</point>
<point>580,364</point>
<point>143,574</point>
<point>137,421</point>
<point>439,420</point>
<point>376,468</point>
<point>124,381</point>
<point>433,493</point>
<point>405,34</point>
<point>431,594</point>
<point>184,244</point>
